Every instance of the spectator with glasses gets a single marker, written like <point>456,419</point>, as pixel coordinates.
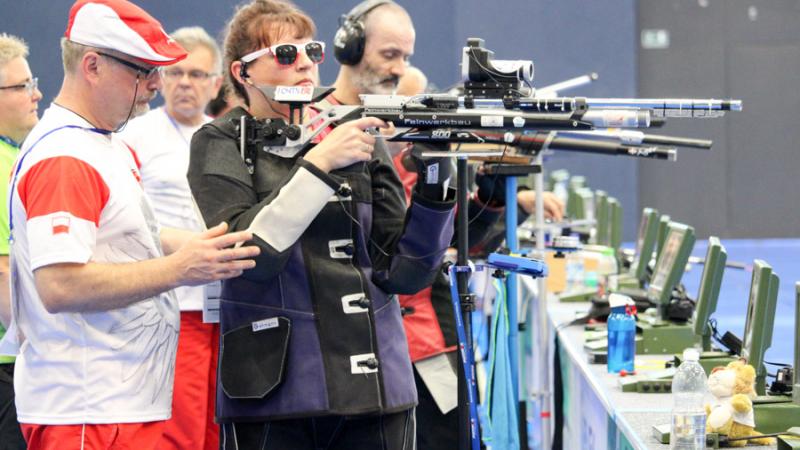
<point>161,139</point>
<point>19,98</point>
<point>313,353</point>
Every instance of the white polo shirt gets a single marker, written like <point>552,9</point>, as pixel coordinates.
<point>77,198</point>
<point>162,145</point>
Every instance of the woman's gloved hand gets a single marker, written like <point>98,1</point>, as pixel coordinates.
<point>436,175</point>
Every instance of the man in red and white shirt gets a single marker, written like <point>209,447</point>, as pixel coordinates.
<point>92,295</point>
<point>161,140</point>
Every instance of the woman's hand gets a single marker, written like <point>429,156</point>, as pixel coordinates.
<point>347,144</point>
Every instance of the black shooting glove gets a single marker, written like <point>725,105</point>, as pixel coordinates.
<point>436,176</point>
<point>491,189</point>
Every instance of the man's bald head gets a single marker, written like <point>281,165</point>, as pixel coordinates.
<point>388,13</point>
<point>390,38</point>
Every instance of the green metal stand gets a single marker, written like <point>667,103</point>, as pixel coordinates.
<point>661,382</point>
<point>661,434</point>
<point>653,383</point>
<point>623,281</point>
<point>578,295</point>
<point>666,337</point>
<point>775,413</point>
<point>710,360</point>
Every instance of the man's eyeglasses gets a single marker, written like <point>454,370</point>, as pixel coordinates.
<point>194,75</point>
<point>146,72</point>
<point>29,86</point>
<point>286,54</point>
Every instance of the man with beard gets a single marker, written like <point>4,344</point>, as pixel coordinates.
<point>161,139</point>
<point>373,45</point>
<point>91,287</point>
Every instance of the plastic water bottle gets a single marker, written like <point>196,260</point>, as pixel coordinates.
<point>621,333</point>
<point>574,269</point>
<point>688,415</point>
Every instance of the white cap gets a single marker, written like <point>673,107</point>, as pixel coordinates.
<point>691,354</point>
<point>122,26</point>
<point>617,300</point>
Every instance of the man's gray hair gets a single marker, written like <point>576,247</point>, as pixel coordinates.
<point>72,54</point>
<point>191,38</point>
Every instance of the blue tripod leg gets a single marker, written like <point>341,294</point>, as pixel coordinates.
<point>467,359</point>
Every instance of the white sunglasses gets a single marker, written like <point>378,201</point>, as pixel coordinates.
<point>286,54</point>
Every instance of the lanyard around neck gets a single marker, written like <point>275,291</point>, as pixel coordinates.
<point>9,141</point>
<point>176,127</point>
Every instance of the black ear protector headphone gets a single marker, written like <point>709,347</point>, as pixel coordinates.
<point>350,38</point>
<point>243,71</point>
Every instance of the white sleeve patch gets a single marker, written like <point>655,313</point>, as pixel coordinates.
<point>60,237</point>
<point>281,223</point>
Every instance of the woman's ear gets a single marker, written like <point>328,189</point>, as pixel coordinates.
<point>239,71</point>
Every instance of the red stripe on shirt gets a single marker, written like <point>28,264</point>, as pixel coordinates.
<point>63,183</point>
<point>135,157</point>
<point>136,161</point>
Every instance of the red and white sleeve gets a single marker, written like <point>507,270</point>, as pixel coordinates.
<point>63,198</point>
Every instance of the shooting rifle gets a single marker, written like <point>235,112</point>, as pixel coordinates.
<point>531,125</point>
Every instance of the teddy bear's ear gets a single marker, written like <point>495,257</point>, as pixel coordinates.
<point>747,371</point>
<point>735,364</point>
<point>745,379</point>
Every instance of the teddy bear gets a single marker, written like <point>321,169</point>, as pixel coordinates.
<point>731,414</point>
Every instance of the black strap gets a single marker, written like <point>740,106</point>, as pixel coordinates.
<point>558,399</point>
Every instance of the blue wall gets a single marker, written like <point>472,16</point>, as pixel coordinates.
<point>564,38</point>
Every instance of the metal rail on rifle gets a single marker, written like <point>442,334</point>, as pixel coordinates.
<point>426,118</point>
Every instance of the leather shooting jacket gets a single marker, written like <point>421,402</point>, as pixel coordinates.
<point>315,328</point>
